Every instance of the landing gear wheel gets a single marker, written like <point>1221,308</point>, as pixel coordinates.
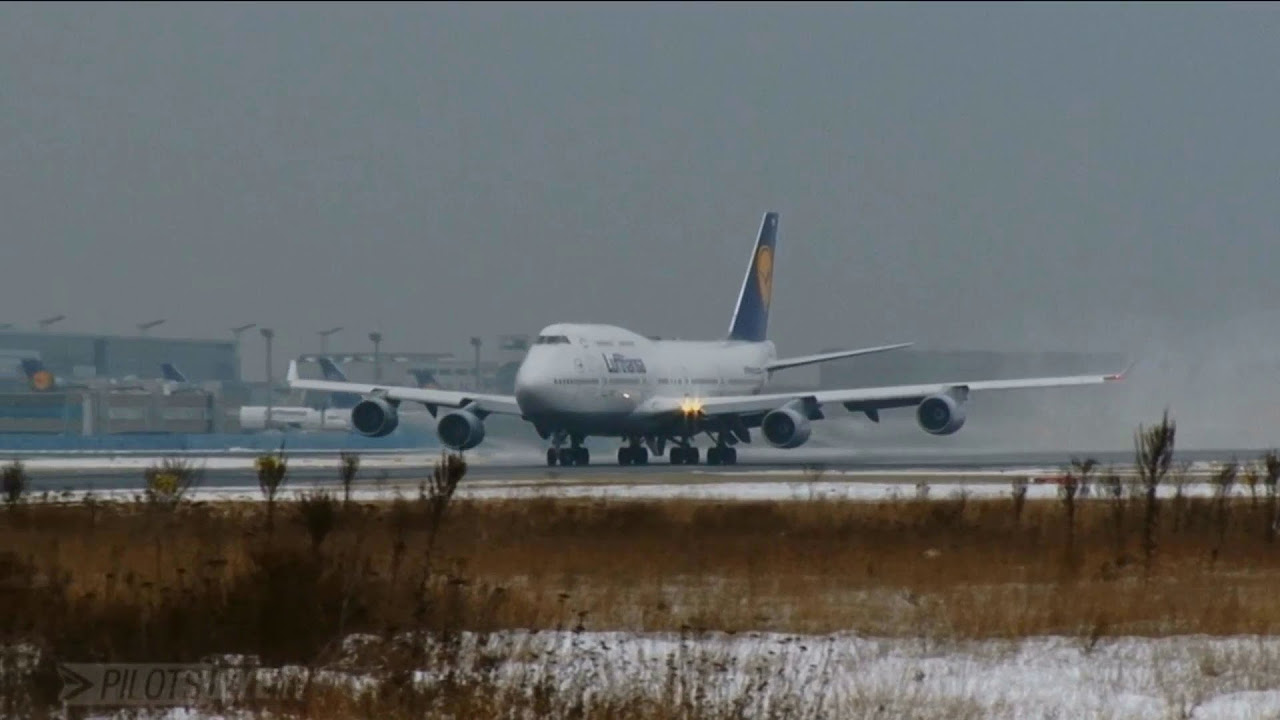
<point>640,456</point>
<point>566,457</point>
<point>626,456</point>
<point>730,456</point>
<point>691,456</point>
<point>677,455</point>
<point>581,456</point>
<point>552,456</point>
<point>714,456</point>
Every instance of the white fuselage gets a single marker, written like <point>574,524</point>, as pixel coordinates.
<point>598,378</point>
<point>254,417</point>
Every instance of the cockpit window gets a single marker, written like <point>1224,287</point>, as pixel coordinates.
<point>551,340</point>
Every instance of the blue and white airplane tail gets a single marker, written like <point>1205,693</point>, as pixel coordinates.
<point>39,376</point>
<point>172,373</point>
<point>751,315</point>
<point>332,373</point>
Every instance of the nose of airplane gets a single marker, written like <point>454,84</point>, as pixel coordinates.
<point>534,386</point>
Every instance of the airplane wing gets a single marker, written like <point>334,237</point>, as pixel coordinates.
<point>493,404</point>
<point>791,362</point>
<point>868,400</point>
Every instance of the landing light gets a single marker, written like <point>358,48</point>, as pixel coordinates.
<point>690,406</point>
<point>626,396</point>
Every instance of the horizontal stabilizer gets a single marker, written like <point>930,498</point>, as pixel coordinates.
<point>825,357</point>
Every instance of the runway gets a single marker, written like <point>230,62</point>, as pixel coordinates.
<point>385,472</point>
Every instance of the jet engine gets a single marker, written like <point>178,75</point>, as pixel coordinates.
<point>786,427</point>
<point>460,430</point>
<point>374,417</point>
<point>940,414</point>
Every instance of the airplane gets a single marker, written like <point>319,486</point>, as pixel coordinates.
<point>41,379</point>
<point>174,380</point>
<point>580,380</point>
<point>425,378</point>
<point>301,417</point>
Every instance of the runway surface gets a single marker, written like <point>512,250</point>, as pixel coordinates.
<point>526,472</point>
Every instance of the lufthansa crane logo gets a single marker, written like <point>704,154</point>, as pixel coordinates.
<point>42,380</point>
<point>764,273</point>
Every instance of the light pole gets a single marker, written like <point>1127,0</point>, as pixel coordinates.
<point>376,337</point>
<point>268,333</point>
<point>475,343</point>
<point>144,327</point>
<point>45,323</point>
<point>324,338</point>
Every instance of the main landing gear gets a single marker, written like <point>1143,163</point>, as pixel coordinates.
<point>633,455</point>
<point>722,455</point>
<point>575,454</point>
<point>684,455</point>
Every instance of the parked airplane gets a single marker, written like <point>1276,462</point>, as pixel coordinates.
<point>582,380</point>
<point>41,379</point>
<point>337,417</point>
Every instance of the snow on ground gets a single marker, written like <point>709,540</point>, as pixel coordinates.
<point>847,676</point>
<point>867,487</point>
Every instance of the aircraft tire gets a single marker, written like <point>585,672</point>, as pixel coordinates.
<point>552,457</point>
<point>625,456</point>
<point>641,456</point>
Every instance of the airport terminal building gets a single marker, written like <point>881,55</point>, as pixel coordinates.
<point>83,390</point>
<point>83,357</point>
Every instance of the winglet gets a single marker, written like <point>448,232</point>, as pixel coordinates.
<point>1121,375</point>
<point>292,376</point>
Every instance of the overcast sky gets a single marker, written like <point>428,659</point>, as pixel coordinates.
<point>1023,177</point>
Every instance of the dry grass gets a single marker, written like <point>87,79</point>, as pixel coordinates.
<point>957,567</point>
<point>176,583</point>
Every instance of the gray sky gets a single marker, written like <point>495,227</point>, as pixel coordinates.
<point>1012,176</point>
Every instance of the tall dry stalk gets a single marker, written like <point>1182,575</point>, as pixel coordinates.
<point>272,470</point>
<point>1251,479</point>
<point>1019,498</point>
<point>348,467</point>
<point>15,482</point>
<point>1271,473</point>
<point>1154,456</point>
<point>1224,479</point>
<point>1113,485</point>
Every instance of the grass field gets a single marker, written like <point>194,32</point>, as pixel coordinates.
<point>291,582</point>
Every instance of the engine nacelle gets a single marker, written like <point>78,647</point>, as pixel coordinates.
<point>374,417</point>
<point>940,414</point>
<point>786,427</point>
<point>460,430</point>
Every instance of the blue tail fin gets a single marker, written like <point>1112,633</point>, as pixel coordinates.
<point>425,378</point>
<point>751,316</point>
<point>332,373</point>
<point>37,375</point>
<point>172,373</point>
<point>330,370</point>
